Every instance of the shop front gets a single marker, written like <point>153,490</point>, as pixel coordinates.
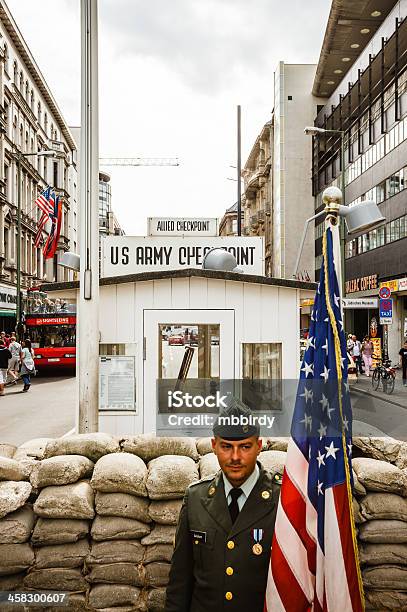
<point>8,305</point>
<point>362,307</point>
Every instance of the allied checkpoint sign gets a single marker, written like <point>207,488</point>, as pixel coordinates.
<point>134,254</point>
<point>182,226</point>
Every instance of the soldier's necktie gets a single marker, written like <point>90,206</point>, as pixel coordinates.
<point>234,506</point>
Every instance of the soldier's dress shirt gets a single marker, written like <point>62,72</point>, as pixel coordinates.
<point>246,487</point>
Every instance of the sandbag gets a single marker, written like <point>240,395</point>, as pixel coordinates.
<point>158,552</point>
<point>12,582</point>
<point>60,470</point>
<point>34,448</point>
<point>384,506</point>
<point>116,551</point>
<point>122,504</point>
<point>208,466</point>
<point>13,495</point>
<point>117,573</point>
<point>10,469</point>
<point>56,579</point>
<point>73,602</point>
<point>104,596</point>
<point>276,443</point>
<point>68,501</point>
<point>383,448</point>
<point>157,574</point>
<point>91,445</point>
<point>356,512</point>
<point>120,473</point>
<point>273,461</point>
<point>169,476</point>
<point>58,531</point>
<point>386,577</point>
<point>383,554</point>
<point>156,599</point>
<point>386,600</point>
<point>378,475</point>
<point>7,450</point>
<point>204,446</point>
<point>383,532</point>
<point>358,488</point>
<point>15,558</point>
<point>160,534</point>
<point>149,446</point>
<point>165,512</point>
<point>117,528</point>
<point>16,527</point>
<point>62,555</point>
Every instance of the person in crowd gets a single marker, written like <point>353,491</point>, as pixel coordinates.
<point>5,357</point>
<point>226,525</point>
<point>14,363</point>
<point>357,354</point>
<point>403,361</point>
<point>349,343</point>
<point>7,340</point>
<point>27,363</point>
<point>367,352</point>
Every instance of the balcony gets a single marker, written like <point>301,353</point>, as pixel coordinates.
<point>254,221</point>
<point>23,104</point>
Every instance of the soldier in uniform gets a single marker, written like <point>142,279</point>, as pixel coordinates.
<point>225,529</point>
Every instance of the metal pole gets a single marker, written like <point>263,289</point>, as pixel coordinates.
<point>342,232</point>
<point>239,171</point>
<point>88,319</point>
<point>18,304</point>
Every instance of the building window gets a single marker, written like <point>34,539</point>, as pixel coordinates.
<point>6,58</point>
<point>27,89</point>
<point>45,123</point>
<point>32,100</point>
<point>55,164</point>
<point>21,82</point>
<point>15,73</point>
<point>39,112</point>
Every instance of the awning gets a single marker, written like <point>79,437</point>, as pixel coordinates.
<point>7,313</point>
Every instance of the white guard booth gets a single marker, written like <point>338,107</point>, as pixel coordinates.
<point>240,325</point>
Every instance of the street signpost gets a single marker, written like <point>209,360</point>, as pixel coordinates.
<point>386,311</point>
<point>384,293</point>
<point>359,302</point>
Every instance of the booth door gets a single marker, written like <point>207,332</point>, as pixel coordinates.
<point>185,345</point>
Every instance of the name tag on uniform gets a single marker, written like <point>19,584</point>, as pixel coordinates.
<point>199,536</point>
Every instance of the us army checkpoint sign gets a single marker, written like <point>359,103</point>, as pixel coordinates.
<point>134,254</point>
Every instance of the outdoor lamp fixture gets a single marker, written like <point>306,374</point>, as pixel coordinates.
<point>71,261</point>
<point>360,217</point>
<point>219,259</point>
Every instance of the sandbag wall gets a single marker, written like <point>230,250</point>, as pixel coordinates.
<point>95,516</point>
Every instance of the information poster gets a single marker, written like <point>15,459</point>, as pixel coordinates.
<point>377,350</point>
<point>117,382</point>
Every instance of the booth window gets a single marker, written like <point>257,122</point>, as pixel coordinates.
<point>188,351</point>
<point>262,361</point>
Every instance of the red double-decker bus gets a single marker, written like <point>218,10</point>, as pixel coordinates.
<point>53,338</point>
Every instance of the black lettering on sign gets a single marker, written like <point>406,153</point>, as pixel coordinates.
<point>114,255</point>
<point>125,255</point>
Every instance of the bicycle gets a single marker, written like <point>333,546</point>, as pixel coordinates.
<point>384,375</point>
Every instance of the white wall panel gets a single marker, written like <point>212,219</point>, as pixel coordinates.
<point>216,293</point>
<point>251,312</point>
<point>125,313</point>
<point>288,321</point>
<point>108,314</point>
<point>234,299</point>
<point>270,329</point>
<point>198,297</point>
<point>180,293</point>
<point>162,293</point>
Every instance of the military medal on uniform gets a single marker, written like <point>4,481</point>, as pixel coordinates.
<point>257,536</point>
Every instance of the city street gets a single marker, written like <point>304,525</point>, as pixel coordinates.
<point>47,410</point>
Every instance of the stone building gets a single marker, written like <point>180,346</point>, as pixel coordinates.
<point>30,121</point>
<point>228,223</point>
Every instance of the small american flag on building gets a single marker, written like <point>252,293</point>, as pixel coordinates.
<point>314,561</point>
<point>44,201</point>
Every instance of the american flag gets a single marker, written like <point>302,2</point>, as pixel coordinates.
<point>51,243</point>
<point>314,561</point>
<point>44,201</point>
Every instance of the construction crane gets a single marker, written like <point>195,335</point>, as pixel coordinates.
<point>139,161</point>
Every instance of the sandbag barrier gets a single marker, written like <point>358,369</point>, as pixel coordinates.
<point>95,516</point>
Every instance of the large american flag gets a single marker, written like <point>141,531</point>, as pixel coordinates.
<point>314,561</point>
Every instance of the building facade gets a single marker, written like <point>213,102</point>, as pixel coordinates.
<point>108,223</point>
<point>30,121</point>
<point>258,188</point>
<point>363,70</point>
<point>228,223</point>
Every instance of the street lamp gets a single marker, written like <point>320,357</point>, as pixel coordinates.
<point>18,156</point>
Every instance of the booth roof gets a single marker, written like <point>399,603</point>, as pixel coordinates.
<point>186,273</point>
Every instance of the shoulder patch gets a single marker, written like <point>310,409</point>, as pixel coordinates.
<point>201,481</point>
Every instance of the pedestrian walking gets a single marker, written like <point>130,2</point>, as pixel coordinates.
<point>14,363</point>
<point>5,356</point>
<point>403,360</point>
<point>349,343</point>
<point>225,529</point>
<point>367,352</point>
<point>27,363</point>
<point>357,354</point>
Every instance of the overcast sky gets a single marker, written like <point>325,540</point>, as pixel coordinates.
<point>171,74</point>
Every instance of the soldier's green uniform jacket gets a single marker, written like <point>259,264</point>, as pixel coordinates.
<point>214,567</point>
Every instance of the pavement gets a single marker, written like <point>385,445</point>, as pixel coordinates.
<point>398,397</point>
<point>46,410</point>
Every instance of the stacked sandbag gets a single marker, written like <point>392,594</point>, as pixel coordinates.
<point>65,506</point>
<point>382,527</point>
<point>114,563</point>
